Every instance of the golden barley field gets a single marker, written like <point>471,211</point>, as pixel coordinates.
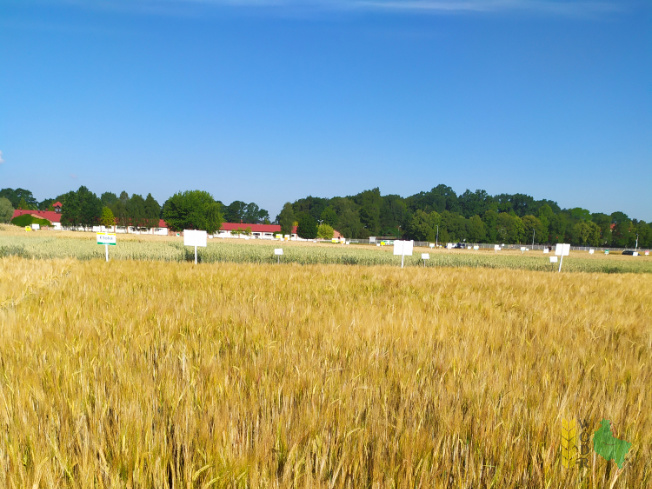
<point>166,374</point>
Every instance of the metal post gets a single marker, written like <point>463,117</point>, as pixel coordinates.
<point>402,258</point>
<point>561,260</point>
<point>195,255</point>
<point>107,252</point>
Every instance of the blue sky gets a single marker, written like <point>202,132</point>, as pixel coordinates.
<point>272,100</point>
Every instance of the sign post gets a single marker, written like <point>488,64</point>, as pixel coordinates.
<point>562,250</point>
<point>193,237</point>
<point>403,248</point>
<point>278,252</point>
<point>106,239</point>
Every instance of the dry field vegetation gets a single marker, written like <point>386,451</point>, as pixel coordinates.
<point>155,374</point>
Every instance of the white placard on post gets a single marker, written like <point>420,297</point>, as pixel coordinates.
<point>195,237</point>
<point>403,248</point>
<point>278,252</point>
<point>591,251</point>
<point>496,247</point>
<point>553,259</point>
<point>562,249</point>
<point>432,245</point>
<point>106,239</point>
<point>476,247</point>
<point>425,256</point>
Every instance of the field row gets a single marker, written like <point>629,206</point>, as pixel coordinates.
<point>84,247</point>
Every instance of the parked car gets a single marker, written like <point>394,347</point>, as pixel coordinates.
<point>629,252</point>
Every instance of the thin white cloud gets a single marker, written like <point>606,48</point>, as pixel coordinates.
<point>1,158</point>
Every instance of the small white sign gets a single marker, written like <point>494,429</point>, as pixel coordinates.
<point>562,249</point>
<point>496,247</point>
<point>546,250</point>
<point>591,251</point>
<point>636,253</point>
<point>553,259</point>
<point>647,253</point>
<point>106,239</point>
<point>432,245</point>
<point>476,248</point>
<point>425,256</point>
<point>36,227</point>
<point>372,239</point>
<point>523,249</point>
<point>403,248</point>
<point>278,251</point>
<point>193,237</point>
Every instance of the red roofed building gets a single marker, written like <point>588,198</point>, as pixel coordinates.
<point>53,216</point>
<point>232,229</point>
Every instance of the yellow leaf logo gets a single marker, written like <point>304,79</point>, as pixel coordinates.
<point>568,443</point>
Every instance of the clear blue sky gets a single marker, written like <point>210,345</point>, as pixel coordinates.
<point>273,100</point>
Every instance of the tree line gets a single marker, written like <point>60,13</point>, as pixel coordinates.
<point>435,215</point>
<point>184,210</point>
<point>475,217</point>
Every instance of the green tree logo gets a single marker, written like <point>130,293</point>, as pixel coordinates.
<point>609,447</point>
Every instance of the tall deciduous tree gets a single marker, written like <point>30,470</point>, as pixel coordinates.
<point>307,227</point>
<point>286,219</point>
<point>6,210</point>
<point>193,209</point>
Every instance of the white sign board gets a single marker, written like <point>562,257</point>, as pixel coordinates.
<point>562,249</point>
<point>278,251</point>
<point>372,239</point>
<point>635,253</point>
<point>36,227</point>
<point>496,247</point>
<point>553,259</point>
<point>432,245</point>
<point>403,248</point>
<point>476,248</point>
<point>591,251</point>
<point>425,256</point>
<point>546,250</point>
<point>106,239</point>
<point>193,237</point>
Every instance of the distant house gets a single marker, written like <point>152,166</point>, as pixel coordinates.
<point>53,216</point>
<point>261,231</point>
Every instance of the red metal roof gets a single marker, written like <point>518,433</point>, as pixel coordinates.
<point>255,228</point>
<point>51,216</point>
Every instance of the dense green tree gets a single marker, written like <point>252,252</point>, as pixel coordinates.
<point>6,210</point>
<point>46,205</point>
<point>136,211</point>
<point>393,213</point>
<point>152,212</point>
<point>325,231</point>
<point>255,215</point>
<point>193,209</point>
<point>423,226</point>
<point>477,232</point>
<point>586,233</point>
<point>490,220</point>
<point>369,203</point>
<point>307,227</point>
<point>533,230</point>
<point>622,234</point>
<point>510,228</point>
<point>286,219</point>
<point>108,198</point>
<point>16,195</point>
<point>310,205</point>
<point>107,219</point>
<point>348,218</point>
<point>604,223</point>
<point>329,216</point>
<point>455,225</point>
<point>557,228</point>
<point>474,203</point>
